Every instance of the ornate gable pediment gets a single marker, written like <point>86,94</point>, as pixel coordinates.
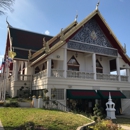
<point>90,38</point>
<point>91,33</point>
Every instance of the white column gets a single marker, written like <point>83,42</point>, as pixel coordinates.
<point>15,70</point>
<point>118,68</point>
<point>26,64</point>
<point>94,64</point>
<point>21,68</point>
<point>65,63</point>
<point>128,74</point>
<point>48,67</point>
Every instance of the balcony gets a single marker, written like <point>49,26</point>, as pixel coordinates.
<point>40,75</point>
<point>56,73</point>
<point>107,77</point>
<point>86,75</point>
<point>79,74</point>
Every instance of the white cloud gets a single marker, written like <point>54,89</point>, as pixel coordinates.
<point>47,32</point>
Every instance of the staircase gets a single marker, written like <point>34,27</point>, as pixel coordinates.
<point>54,104</point>
<point>50,104</point>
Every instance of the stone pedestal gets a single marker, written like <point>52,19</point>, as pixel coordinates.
<point>39,102</point>
<point>34,102</point>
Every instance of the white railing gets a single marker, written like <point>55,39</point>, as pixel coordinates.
<point>71,74</point>
<point>22,77</point>
<point>107,77</point>
<point>40,74</point>
<point>57,73</point>
<point>124,78</point>
<point>79,74</point>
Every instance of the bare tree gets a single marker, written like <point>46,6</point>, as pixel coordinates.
<point>6,5</point>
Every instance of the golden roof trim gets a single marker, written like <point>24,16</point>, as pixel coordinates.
<point>53,39</point>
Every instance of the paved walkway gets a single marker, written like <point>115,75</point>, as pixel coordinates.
<point>1,126</point>
<point>123,126</point>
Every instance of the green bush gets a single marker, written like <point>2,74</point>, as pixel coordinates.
<point>7,105</point>
<point>1,103</point>
<point>98,112</point>
<point>106,125</point>
<point>11,104</point>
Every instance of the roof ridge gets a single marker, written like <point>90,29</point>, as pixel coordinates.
<point>29,31</point>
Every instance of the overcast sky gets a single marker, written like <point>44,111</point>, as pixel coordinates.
<point>49,16</point>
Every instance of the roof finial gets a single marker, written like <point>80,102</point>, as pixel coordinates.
<point>97,4</point>
<point>46,47</point>
<point>124,47</point>
<point>29,54</point>
<point>76,17</point>
<point>44,42</point>
<point>8,22</point>
<point>61,35</point>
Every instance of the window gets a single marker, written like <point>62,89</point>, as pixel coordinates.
<point>52,64</point>
<point>19,72</point>
<point>37,70</point>
<point>99,68</point>
<point>73,64</point>
<point>57,94</point>
<point>37,93</point>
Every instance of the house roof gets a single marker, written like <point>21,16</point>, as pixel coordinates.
<point>23,41</point>
<point>53,40</point>
<point>74,29</point>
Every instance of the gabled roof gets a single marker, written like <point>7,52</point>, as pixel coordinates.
<point>23,41</point>
<point>54,40</point>
<point>69,34</point>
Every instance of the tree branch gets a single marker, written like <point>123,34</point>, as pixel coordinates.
<point>6,5</point>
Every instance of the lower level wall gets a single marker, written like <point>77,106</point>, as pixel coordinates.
<point>17,85</point>
<point>125,106</point>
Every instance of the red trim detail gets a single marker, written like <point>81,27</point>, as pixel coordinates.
<point>85,93</point>
<point>112,93</point>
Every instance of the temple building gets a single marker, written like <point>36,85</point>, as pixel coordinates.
<point>80,65</point>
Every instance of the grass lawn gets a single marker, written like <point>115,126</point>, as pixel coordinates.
<point>122,121</point>
<point>50,119</point>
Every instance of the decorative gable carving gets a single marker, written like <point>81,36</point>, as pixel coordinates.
<point>91,33</point>
<point>91,38</point>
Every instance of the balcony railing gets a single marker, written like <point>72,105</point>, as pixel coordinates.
<point>71,74</point>
<point>124,78</point>
<point>79,74</point>
<point>40,74</point>
<point>101,76</point>
<point>57,73</point>
<point>24,77</point>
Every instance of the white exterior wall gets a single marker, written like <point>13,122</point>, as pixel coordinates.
<point>57,55</point>
<point>122,63</point>
<point>105,64</point>
<point>89,64</point>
